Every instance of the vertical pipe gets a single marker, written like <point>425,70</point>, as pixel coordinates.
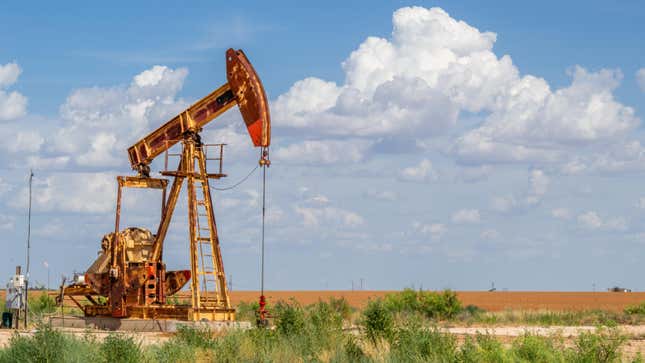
<point>31,177</point>
<point>264,180</point>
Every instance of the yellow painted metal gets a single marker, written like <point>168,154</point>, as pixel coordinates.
<point>141,182</point>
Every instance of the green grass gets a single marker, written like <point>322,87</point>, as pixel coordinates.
<point>394,329</point>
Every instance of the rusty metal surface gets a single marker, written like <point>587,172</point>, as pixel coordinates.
<point>244,88</point>
<point>191,119</point>
<point>129,271</point>
<point>250,95</point>
<point>141,182</point>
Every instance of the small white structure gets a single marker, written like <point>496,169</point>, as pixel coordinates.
<point>16,291</point>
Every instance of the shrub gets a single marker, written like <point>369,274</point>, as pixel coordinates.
<point>290,318</point>
<point>194,337</point>
<point>46,345</point>
<point>444,305</point>
<point>173,352</point>
<point>352,351</point>
<point>377,321</point>
<point>635,309</point>
<point>415,343</point>
<point>120,348</point>
<point>341,307</point>
<point>484,348</point>
<point>534,348</point>
<point>44,304</point>
<point>404,301</point>
<point>600,346</point>
<point>246,311</point>
<point>323,318</point>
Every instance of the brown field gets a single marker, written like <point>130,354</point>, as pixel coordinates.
<point>490,301</point>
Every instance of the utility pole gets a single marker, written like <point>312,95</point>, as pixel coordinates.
<point>31,177</point>
<point>46,264</point>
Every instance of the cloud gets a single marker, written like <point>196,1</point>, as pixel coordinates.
<point>591,220</point>
<point>538,186</point>
<point>504,204</point>
<point>561,213</point>
<point>382,195</point>
<point>70,192</point>
<point>533,123</point>
<point>12,104</point>
<point>323,152</point>
<point>24,141</point>
<point>466,216</point>
<point>315,217</point>
<point>640,78</point>
<point>318,199</point>
<point>416,83</point>
<point>99,123</point>
<point>422,172</point>
<point>434,230</point>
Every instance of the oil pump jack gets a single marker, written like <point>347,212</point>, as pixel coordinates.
<point>129,273</point>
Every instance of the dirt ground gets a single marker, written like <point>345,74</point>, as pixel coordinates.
<point>490,301</point>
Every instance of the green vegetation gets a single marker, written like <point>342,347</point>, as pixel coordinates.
<point>636,309</point>
<point>43,304</point>
<point>434,305</point>
<point>398,328</point>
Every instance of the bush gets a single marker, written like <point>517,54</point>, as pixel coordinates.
<point>44,304</point>
<point>120,348</point>
<point>323,318</point>
<point>341,307</point>
<point>290,318</point>
<point>444,305</point>
<point>245,311</point>
<point>415,343</point>
<point>48,345</point>
<point>404,301</point>
<point>635,309</point>
<point>600,346</point>
<point>483,348</point>
<point>377,321</point>
<point>434,305</point>
<point>194,337</point>
<point>534,348</point>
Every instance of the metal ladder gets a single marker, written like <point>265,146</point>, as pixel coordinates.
<point>211,280</point>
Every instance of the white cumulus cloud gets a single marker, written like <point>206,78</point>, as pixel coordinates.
<point>12,104</point>
<point>71,192</point>
<point>99,123</point>
<point>421,172</point>
<point>316,217</point>
<point>324,151</point>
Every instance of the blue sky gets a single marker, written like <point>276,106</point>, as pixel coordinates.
<point>465,145</point>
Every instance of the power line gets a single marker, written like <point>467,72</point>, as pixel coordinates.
<point>239,182</point>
